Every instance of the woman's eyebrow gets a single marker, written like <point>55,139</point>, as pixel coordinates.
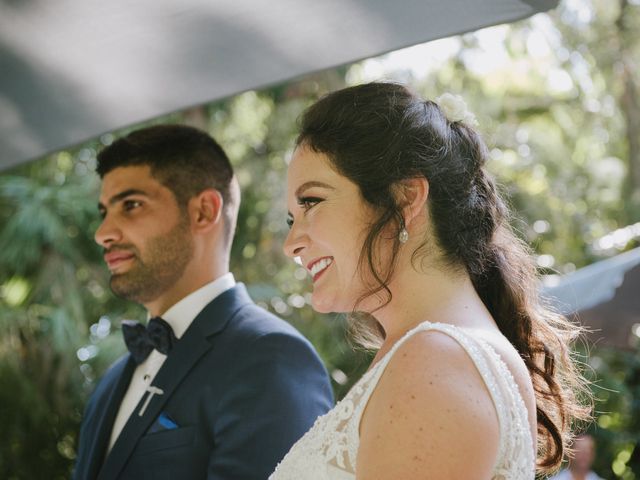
<point>311,184</point>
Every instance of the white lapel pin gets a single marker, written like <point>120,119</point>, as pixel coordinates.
<point>152,391</point>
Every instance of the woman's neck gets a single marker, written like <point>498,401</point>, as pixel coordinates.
<point>436,295</point>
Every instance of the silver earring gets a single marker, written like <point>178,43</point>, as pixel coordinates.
<point>403,236</point>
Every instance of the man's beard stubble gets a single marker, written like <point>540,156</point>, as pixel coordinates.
<point>165,260</point>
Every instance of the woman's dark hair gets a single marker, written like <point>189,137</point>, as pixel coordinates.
<point>378,135</point>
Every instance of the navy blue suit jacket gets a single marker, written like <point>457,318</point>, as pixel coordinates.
<point>241,386</point>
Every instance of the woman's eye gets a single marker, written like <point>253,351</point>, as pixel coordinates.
<point>308,202</point>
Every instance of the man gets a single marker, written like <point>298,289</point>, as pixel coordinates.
<point>582,456</point>
<point>217,387</point>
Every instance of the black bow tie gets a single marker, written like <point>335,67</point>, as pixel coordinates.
<point>141,340</point>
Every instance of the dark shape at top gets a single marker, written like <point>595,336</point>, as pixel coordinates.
<point>72,71</point>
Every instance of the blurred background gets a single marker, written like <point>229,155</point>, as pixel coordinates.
<point>557,97</point>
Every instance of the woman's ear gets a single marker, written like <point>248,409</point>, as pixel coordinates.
<point>412,197</point>
<point>205,210</point>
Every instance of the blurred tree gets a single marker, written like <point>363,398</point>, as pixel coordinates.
<point>50,286</point>
<point>616,387</point>
<point>559,111</point>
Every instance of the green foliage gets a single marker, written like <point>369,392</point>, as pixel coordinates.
<point>559,147</point>
<point>50,286</point>
<point>616,377</point>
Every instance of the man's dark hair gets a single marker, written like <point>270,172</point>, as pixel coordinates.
<point>184,159</point>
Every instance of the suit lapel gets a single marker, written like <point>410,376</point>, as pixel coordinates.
<point>107,411</point>
<point>181,360</point>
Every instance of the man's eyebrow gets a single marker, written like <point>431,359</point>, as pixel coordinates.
<point>121,196</point>
<point>311,184</point>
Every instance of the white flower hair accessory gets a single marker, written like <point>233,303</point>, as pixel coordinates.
<point>455,109</point>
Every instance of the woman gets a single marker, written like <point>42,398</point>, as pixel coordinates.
<point>392,213</point>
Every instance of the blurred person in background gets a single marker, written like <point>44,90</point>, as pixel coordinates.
<point>582,456</point>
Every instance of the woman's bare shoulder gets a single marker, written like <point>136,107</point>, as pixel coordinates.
<point>430,413</point>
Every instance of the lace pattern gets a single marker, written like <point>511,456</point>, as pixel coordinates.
<point>328,451</point>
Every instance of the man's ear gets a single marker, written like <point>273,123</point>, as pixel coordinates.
<point>411,195</point>
<point>205,210</point>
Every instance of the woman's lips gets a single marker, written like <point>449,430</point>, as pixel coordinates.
<point>318,267</point>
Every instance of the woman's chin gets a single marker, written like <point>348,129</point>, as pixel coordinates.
<point>320,307</point>
<point>324,305</point>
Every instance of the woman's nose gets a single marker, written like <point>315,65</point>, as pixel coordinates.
<point>295,242</point>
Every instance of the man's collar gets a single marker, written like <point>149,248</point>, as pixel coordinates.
<point>180,315</point>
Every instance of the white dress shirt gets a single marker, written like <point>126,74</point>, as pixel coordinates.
<point>179,316</point>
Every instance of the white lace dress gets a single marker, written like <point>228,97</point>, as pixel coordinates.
<point>328,451</point>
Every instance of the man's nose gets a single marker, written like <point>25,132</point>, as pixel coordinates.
<point>107,233</point>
